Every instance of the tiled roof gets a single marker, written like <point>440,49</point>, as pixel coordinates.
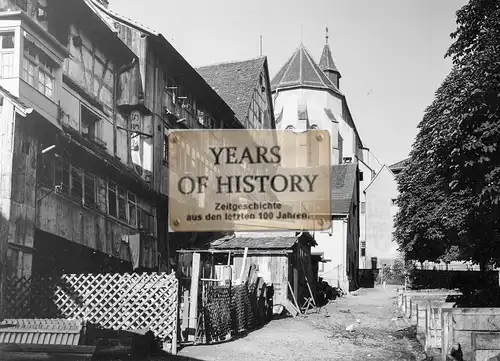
<point>343,185</point>
<point>302,71</point>
<point>400,165</point>
<point>235,82</point>
<point>326,62</point>
<point>267,242</point>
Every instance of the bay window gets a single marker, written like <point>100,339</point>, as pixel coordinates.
<point>6,54</point>
<point>38,69</point>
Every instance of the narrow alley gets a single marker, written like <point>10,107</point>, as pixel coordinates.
<point>375,333</point>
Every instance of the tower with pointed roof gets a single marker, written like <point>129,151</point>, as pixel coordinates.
<point>306,95</point>
<point>327,64</point>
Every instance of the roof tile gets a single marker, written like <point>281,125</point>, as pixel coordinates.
<point>301,71</point>
<point>326,62</point>
<point>343,186</point>
<point>237,94</point>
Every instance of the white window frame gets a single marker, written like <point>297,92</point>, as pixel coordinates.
<point>41,69</point>
<point>7,56</point>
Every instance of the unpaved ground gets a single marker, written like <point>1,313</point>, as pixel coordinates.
<point>378,334</point>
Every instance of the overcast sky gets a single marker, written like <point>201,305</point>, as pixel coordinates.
<point>390,52</point>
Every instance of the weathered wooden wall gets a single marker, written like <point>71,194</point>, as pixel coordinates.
<point>259,113</point>
<point>6,158</point>
<point>147,79</point>
<point>90,68</point>
<point>304,267</point>
<point>274,270</point>
<point>22,212</point>
<point>64,218</point>
<point>135,40</point>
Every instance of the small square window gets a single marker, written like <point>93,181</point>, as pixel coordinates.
<point>8,40</point>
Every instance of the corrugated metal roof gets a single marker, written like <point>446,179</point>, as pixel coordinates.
<point>41,331</point>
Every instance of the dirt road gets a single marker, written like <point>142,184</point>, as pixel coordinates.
<point>377,334</point>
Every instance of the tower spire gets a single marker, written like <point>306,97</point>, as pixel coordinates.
<point>326,63</point>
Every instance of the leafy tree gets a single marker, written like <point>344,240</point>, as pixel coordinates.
<point>450,194</point>
<point>430,215</point>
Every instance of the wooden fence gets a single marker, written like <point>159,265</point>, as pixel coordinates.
<point>111,301</point>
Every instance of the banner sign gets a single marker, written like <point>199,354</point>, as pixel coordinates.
<point>249,180</point>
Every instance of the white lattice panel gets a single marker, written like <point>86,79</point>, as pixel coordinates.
<point>121,301</point>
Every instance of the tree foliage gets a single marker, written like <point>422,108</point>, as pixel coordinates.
<point>450,193</point>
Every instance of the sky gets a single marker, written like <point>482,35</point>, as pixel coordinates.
<point>390,52</point>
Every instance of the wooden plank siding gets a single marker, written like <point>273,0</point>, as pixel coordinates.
<point>274,269</point>
<point>21,213</point>
<point>64,218</point>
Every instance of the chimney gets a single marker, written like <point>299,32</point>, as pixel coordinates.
<point>104,3</point>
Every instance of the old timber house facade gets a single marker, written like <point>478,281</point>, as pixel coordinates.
<point>86,104</point>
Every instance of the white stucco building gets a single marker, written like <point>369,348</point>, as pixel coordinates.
<point>307,95</point>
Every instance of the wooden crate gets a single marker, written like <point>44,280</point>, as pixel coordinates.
<point>469,327</point>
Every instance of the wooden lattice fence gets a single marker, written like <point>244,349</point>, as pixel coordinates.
<point>30,297</point>
<point>111,301</point>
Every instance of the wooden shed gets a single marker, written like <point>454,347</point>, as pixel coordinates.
<point>281,258</point>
